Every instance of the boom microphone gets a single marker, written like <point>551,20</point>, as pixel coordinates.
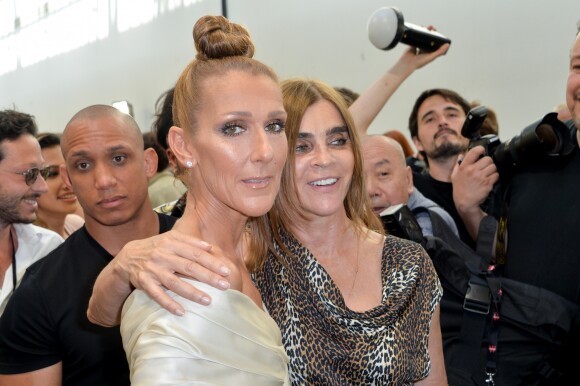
<point>387,27</point>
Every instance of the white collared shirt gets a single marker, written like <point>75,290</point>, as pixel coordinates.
<point>33,244</point>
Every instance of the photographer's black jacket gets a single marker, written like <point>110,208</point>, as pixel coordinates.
<point>539,325</point>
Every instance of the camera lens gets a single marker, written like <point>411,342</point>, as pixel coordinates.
<point>549,138</point>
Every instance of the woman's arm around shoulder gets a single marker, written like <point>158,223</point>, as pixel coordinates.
<point>153,265</point>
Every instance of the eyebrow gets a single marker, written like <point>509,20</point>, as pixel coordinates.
<point>85,153</point>
<point>447,108</point>
<point>79,154</point>
<point>382,162</point>
<point>329,132</point>
<point>276,113</point>
<point>271,114</point>
<point>117,148</point>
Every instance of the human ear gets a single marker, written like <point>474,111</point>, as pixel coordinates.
<point>181,147</point>
<point>151,161</point>
<point>409,180</point>
<point>418,144</point>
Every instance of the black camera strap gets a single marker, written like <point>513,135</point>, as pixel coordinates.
<point>468,335</point>
<point>480,321</point>
<point>501,245</point>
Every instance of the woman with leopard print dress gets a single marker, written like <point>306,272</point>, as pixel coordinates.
<point>354,306</point>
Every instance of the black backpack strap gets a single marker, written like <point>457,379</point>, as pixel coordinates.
<point>439,227</point>
<point>486,241</point>
<point>418,209</point>
<point>485,248</point>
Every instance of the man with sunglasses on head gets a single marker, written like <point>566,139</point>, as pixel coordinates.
<point>22,176</point>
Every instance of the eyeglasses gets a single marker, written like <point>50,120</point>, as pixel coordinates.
<point>51,171</point>
<point>31,174</point>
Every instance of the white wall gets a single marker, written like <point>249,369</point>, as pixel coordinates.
<point>511,55</point>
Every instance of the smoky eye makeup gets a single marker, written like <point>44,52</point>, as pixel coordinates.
<point>231,129</point>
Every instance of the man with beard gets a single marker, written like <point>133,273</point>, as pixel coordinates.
<point>533,334</point>
<point>542,217</point>
<point>21,183</point>
<point>435,124</point>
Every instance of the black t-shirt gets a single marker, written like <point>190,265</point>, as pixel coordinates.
<point>45,321</point>
<point>442,194</point>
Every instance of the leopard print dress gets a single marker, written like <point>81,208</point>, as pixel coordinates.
<point>328,344</point>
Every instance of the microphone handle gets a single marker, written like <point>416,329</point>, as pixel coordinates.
<point>422,38</point>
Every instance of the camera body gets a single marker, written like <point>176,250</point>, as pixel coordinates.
<point>399,221</point>
<point>471,130</point>
<point>489,142</point>
<point>548,136</point>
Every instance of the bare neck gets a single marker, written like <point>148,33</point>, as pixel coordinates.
<point>215,225</point>
<point>322,235</point>
<point>113,238</point>
<point>6,250</point>
<point>440,170</point>
<point>54,222</point>
<point>5,236</point>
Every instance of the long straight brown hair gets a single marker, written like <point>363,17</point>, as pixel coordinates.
<point>299,95</point>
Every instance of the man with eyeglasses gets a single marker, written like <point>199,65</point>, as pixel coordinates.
<point>22,176</point>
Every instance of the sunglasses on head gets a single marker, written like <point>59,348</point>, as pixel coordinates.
<point>31,174</point>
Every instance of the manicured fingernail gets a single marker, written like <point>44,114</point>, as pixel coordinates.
<point>224,284</point>
<point>224,270</point>
<point>205,300</point>
<point>179,312</point>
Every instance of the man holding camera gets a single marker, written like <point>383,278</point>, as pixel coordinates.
<point>542,220</point>
<point>518,323</point>
<point>435,124</point>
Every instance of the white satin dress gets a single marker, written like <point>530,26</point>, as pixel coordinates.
<point>230,342</point>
